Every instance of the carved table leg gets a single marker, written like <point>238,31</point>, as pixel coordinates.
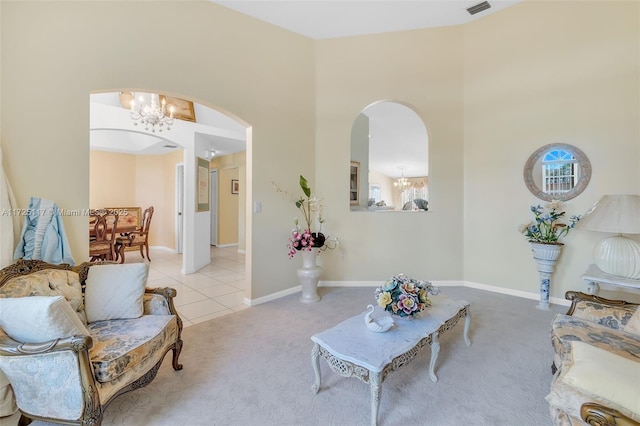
<point>315,362</point>
<point>435,350</point>
<point>375,382</point>
<point>467,323</point>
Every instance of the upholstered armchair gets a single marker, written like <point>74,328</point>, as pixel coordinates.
<point>74,338</point>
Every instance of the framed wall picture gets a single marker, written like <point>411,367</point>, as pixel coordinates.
<point>182,109</point>
<point>202,185</point>
<point>354,183</point>
<point>235,186</point>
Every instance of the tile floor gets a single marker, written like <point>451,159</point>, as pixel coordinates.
<point>215,290</point>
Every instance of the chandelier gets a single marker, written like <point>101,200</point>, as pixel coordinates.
<point>151,114</point>
<point>402,182</point>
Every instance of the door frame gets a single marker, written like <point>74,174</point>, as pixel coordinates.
<point>179,210</point>
<point>213,191</point>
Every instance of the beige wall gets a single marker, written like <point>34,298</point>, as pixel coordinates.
<point>423,69</point>
<point>211,54</point>
<point>231,207</point>
<point>110,179</point>
<point>125,180</point>
<point>535,74</point>
<point>228,212</point>
<point>490,93</point>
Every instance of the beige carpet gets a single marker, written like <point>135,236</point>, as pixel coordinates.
<point>254,368</point>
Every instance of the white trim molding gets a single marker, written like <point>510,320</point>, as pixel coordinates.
<point>452,283</point>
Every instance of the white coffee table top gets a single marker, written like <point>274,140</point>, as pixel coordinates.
<point>352,341</point>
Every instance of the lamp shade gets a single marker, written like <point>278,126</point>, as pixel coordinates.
<point>617,214</point>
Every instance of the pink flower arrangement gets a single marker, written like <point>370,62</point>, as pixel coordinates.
<point>311,209</point>
<point>300,240</point>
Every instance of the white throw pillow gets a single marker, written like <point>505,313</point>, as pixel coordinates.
<point>606,377</point>
<point>115,291</point>
<point>38,319</point>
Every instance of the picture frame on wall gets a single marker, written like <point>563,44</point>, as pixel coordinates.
<point>354,183</point>
<point>235,186</point>
<point>202,185</point>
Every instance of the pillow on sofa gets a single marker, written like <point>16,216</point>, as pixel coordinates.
<point>38,319</point>
<point>606,377</point>
<point>115,291</point>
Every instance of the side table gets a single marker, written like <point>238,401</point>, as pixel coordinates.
<point>594,277</point>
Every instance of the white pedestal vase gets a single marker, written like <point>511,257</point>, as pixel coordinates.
<point>309,274</point>
<point>546,257</point>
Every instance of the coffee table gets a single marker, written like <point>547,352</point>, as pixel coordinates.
<point>352,350</point>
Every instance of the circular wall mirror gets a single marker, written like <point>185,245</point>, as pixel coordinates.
<point>557,171</point>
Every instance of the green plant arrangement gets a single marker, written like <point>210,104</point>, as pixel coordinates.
<point>547,228</point>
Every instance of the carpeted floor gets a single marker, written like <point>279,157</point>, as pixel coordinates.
<point>254,368</point>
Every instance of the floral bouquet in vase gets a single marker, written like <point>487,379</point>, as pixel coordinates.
<point>404,296</point>
<point>306,238</point>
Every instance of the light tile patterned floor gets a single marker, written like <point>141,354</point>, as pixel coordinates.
<point>215,290</point>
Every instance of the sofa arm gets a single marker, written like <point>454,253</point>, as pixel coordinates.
<point>610,313</point>
<point>159,301</point>
<point>599,415</point>
<point>59,370</point>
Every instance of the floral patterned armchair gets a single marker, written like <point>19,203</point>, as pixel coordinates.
<point>73,378</point>
<point>596,363</point>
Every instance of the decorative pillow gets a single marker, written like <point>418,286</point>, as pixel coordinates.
<point>115,291</point>
<point>422,204</point>
<point>633,325</point>
<point>607,378</point>
<point>39,319</point>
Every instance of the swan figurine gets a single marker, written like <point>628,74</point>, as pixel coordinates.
<point>379,325</point>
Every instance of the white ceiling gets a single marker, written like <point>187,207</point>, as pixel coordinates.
<point>330,19</point>
<point>398,141</point>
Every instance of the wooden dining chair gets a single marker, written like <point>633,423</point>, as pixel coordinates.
<point>137,238</point>
<point>102,237</point>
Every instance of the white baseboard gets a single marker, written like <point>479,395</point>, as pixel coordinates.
<point>273,296</point>
<point>163,248</point>
<point>452,283</point>
<point>226,245</point>
<point>242,251</point>
<point>517,293</point>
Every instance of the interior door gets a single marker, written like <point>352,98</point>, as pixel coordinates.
<point>213,203</point>
<point>179,206</point>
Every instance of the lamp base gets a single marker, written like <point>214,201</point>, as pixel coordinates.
<point>618,256</point>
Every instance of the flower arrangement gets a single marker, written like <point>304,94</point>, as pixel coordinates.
<point>311,209</point>
<point>404,296</point>
<point>546,227</point>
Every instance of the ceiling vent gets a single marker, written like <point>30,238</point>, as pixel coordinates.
<point>169,146</point>
<point>478,8</point>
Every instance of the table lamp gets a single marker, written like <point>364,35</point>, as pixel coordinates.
<point>616,214</point>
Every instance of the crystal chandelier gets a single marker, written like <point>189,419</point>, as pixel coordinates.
<point>151,114</point>
<point>402,182</point>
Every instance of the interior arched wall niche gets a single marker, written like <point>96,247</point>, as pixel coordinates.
<point>389,170</point>
<point>135,167</point>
